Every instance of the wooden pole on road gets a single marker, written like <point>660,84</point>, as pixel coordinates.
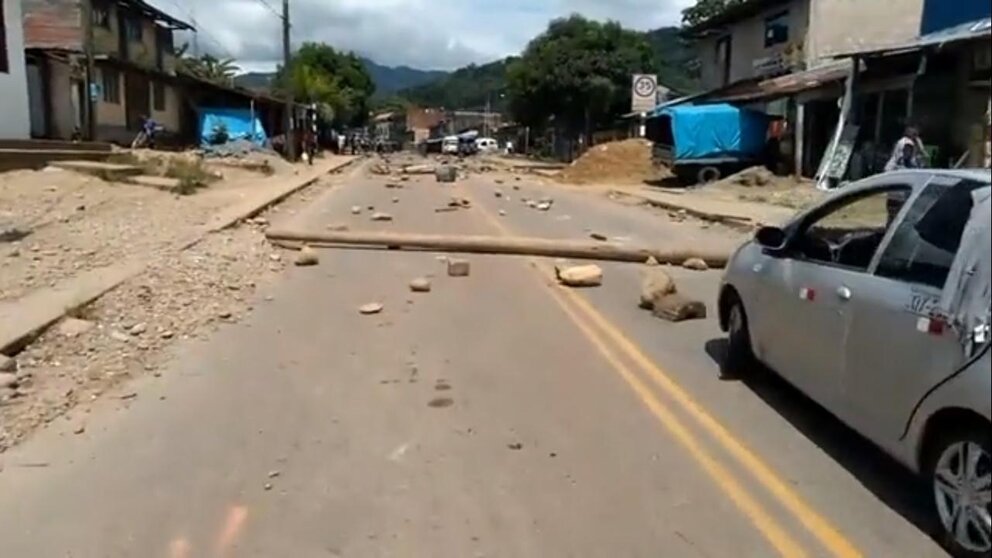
<point>520,246</point>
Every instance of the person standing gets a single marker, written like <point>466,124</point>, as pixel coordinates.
<point>909,152</point>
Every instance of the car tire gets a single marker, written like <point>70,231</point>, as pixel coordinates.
<point>945,456</point>
<point>708,174</point>
<point>739,360</point>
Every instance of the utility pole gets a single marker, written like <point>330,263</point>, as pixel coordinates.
<point>89,112</point>
<point>290,135</point>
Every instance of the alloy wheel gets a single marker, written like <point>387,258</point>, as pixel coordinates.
<point>962,482</point>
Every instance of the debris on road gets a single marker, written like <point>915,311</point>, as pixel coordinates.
<point>337,227</point>
<point>446,173</point>
<point>502,213</point>
<point>655,285</point>
<point>418,169</point>
<point>519,246</point>
<point>370,308</point>
<point>589,275</point>
<point>628,161</point>
<point>543,206</point>
<point>695,264</point>
<point>676,308</point>
<point>599,237</point>
<point>396,200</point>
<point>138,329</point>
<point>307,256</point>
<point>651,262</point>
<point>8,380</point>
<point>459,268</point>
<point>460,203</point>
<point>441,402</point>
<point>498,193</point>
<point>380,216</point>
<point>393,186</point>
<point>515,446</point>
<point>356,209</point>
<point>420,285</point>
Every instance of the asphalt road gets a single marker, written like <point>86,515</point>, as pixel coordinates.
<point>498,415</point>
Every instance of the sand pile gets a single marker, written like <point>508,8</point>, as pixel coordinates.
<point>628,161</point>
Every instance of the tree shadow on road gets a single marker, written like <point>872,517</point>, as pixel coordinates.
<point>887,479</point>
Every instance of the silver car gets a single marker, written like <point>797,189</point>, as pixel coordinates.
<point>875,303</point>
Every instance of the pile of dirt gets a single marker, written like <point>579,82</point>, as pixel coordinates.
<point>619,162</point>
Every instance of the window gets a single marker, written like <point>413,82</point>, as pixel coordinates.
<point>848,235</point>
<point>158,96</point>
<point>777,29</point>
<point>4,64</point>
<point>924,246</point>
<point>111,85</point>
<point>100,15</point>
<point>133,28</point>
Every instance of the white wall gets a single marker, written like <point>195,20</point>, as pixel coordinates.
<point>15,119</point>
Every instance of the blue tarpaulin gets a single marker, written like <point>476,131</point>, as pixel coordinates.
<point>237,122</point>
<point>716,131</point>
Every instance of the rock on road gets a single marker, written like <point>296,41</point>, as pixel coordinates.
<point>492,416</point>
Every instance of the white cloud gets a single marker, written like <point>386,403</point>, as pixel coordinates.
<point>428,34</point>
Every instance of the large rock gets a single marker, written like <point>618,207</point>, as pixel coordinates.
<point>420,285</point>
<point>676,308</point>
<point>307,256</point>
<point>446,173</point>
<point>590,275</point>
<point>654,285</point>
<point>459,268</point>
<point>695,264</point>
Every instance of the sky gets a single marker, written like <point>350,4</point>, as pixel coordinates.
<point>424,34</point>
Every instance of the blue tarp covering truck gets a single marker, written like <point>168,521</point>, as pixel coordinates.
<point>701,143</point>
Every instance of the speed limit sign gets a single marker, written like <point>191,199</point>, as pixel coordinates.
<point>644,92</point>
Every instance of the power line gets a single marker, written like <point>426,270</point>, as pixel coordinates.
<point>270,8</point>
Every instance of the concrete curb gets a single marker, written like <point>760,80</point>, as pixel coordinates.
<point>737,221</point>
<point>23,319</point>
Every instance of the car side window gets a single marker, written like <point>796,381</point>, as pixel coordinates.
<point>849,234</point>
<point>924,246</point>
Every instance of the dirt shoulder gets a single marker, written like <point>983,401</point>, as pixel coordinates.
<point>125,333</point>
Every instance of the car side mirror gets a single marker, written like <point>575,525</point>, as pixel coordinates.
<point>770,238</point>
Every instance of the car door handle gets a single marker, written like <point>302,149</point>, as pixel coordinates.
<point>844,293</point>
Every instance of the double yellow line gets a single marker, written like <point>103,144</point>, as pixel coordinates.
<point>612,344</point>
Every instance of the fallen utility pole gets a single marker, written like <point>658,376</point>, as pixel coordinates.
<point>518,246</point>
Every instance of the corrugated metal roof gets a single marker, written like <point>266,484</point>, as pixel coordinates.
<point>969,31</point>
<point>733,14</point>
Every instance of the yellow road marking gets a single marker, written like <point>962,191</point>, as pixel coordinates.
<point>768,526</point>
<point>826,533</point>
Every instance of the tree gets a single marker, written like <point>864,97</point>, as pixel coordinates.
<point>207,67</point>
<point>705,9</point>
<point>320,74</point>
<point>577,72</point>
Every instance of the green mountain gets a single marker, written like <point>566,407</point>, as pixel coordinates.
<point>470,87</point>
<point>387,79</point>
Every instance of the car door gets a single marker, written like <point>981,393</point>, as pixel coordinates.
<point>809,287</point>
<point>897,347</point>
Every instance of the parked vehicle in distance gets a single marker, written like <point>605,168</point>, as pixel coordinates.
<point>486,145</point>
<point>449,146</point>
<point>875,303</point>
<point>702,143</point>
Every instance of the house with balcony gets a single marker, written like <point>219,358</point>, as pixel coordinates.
<point>779,56</point>
<point>134,75</point>
<point>13,82</point>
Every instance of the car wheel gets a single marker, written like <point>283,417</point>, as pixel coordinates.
<point>708,174</point>
<point>960,474</point>
<point>740,356</point>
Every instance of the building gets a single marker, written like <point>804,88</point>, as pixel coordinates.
<point>761,39</point>
<point>135,68</point>
<point>420,122</point>
<point>780,56</point>
<point>943,85</point>
<point>14,122</point>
